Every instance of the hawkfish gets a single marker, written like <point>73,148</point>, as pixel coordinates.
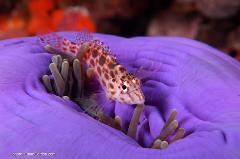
<point>117,83</point>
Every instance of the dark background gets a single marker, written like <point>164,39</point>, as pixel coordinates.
<point>216,22</point>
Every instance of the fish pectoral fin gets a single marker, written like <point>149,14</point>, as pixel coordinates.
<point>109,97</point>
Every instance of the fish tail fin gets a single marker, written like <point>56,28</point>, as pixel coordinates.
<point>56,44</point>
<point>52,40</point>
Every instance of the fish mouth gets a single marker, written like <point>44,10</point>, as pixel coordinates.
<point>138,101</point>
<point>133,102</point>
<point>141,101</point>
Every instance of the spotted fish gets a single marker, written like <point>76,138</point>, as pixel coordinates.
<point>116,81</point>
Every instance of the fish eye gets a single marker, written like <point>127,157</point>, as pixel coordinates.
<point>124,87</point>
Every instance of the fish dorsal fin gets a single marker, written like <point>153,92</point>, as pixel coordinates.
<point>83,36</point>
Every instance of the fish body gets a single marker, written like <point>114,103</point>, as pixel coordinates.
<point>116,81</point>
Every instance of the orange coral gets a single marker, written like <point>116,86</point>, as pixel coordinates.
<point>45,18</point>
<point>39,21</point>
<point>43,21</point>
<point>76,19</point>
<point>40,6</point>
<point>3,23</point>
<point>12,26</point>
<point>16,22</point>
<point>39,24</point>
<point>56,18</point>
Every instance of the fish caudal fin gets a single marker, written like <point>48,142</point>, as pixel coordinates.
<point>59,45</point>
<point>52,40</point>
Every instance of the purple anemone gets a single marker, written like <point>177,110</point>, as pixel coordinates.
<point>200,82</point>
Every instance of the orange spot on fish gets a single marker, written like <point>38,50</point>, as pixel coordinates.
<point>73,51</point>
<point>106,76</point>
<point>99,70</point>
<point>92,62</point>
